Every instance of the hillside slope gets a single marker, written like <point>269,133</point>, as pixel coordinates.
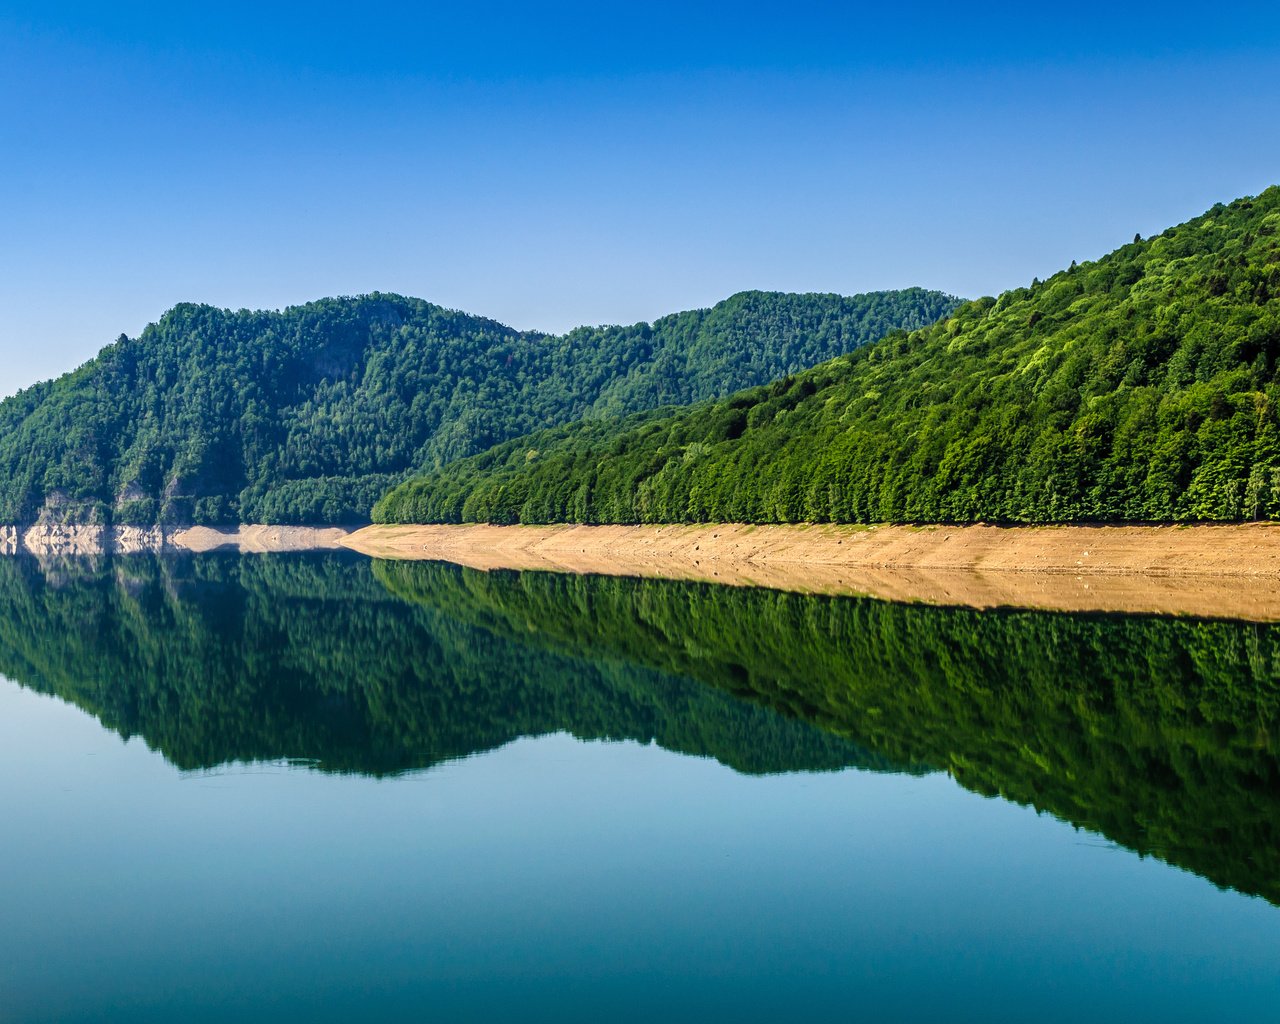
<point>307,415</point>
<point>1141,387</point>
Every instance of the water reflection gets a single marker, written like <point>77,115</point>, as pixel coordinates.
<point>214,659</point>
<point>1161,734</point>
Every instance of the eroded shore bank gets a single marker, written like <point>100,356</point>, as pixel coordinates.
<point>1229,571</point>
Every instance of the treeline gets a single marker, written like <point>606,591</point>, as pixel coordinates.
<point>1138,387</point>
<point>310,414</point>
<point>1162,734</point>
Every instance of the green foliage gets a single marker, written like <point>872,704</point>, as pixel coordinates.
<point>1141,387</point>
<point>215,658</point>
<point>308,415</point>
<point>1162,734</point>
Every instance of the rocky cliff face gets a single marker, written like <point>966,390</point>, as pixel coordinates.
<point>130,540</point>
<point>55,540</point>
<point>50,538</point>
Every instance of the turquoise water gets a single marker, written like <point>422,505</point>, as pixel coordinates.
<point>355,792</point>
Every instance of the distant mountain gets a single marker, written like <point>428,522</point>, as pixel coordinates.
<point>309,414</point>
<point>1139,387</point>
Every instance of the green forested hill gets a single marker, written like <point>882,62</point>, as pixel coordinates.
<point>1139,387</point>
<point>307,415</point>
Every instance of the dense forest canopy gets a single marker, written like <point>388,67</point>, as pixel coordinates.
<point>1138,387</point>
<point>309,414</point>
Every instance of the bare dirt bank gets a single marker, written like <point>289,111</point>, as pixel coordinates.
<point>1220,571</point>
<point>259,538</point>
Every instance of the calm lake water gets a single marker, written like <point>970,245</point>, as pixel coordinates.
<point>318,788</point>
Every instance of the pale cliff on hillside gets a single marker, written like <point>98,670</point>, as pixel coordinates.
<point>54,539</point>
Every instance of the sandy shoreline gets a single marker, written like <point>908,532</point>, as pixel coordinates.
<point>260,539</point>
<point>1230,571</point>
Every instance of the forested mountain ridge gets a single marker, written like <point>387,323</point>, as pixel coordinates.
<point>310,413</point>
<point>1139,387</point>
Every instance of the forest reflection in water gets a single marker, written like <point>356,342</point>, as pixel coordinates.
<point>1158,733</point>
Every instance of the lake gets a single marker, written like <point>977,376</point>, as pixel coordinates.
<point>323,788</point>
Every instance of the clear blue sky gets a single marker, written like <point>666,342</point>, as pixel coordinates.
<point>587,163</point>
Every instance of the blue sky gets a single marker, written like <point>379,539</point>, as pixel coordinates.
<point>588,163</point>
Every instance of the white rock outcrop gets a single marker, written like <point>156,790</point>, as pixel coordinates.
<point>63,539</point>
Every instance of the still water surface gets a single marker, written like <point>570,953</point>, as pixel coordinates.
<point>374,791</point>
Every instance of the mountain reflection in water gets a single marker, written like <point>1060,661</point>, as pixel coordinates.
<point>1161,734</point>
